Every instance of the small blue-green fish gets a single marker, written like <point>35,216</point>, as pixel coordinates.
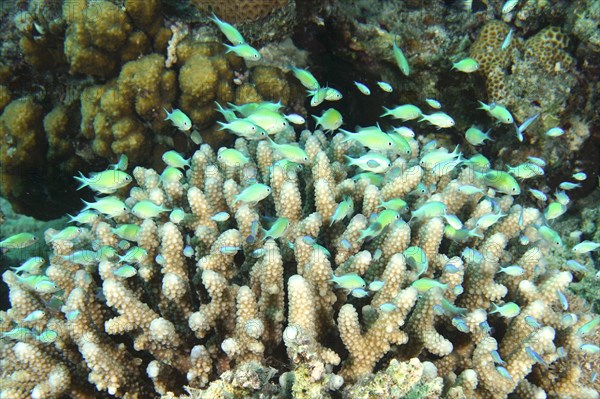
<point>306,78</point>
<point>125,271</point>
<point>593,377</point>
<point>290,152</point>
<point>555,132</point>
<point>550,236</point>
<point>496,357</point>
<point>46,287</point>
<point>244,50</point>
<point>109,206</point>
<point>468,189</point>
<point>512,270</point>
<point>503,372</point>
<point>425,284</point>
<point>526,124</point>
<point>485,327</point>
<point>472,255</point>
<point>451,308</point>
<point>588,327</point>
<point>106,182</point>
<point>405,132</point>
<point>538,161</point>
<point>228,113</point>
<point>47,337</point>
<point>18,333</point>
<point>568,319</point>
<point>579,176</point>
<point>134,255</point>
<point>385,86</point>
<point>524,240</point>
<point>362,88</point>
<point>343,210</point>
<point>177,215</point>
<point>106,252</point>
<point>396,204</point>
<point>188,251</point>
<point>277,229</point>
<point>560,351</point>
<point>370,162</point>
<point>563,300</point>
<point>590,348</point>
<point>532,322</point>
<point>271,121</point>
<point>458,289</point>
<point>566,185</point>
<point>254,193</point>
<point>429,160</point>
<point>406,112</point>
<point>525,170</point>
<point>258,253</point>
<point>450,268</point>
<point>417,259</point>
<point>31,265</point>
<point>171,175</point>
<point>348,281</point>
<point>372,137</point>
<point>508,310</point>
<point>180,120</point>
<point>244,128</point>
<point>537,194</point>
<point>535,356</point>
<point>72,315</point>
<point>36,315</point>
<point>18,241</point>
<point>554,210</point>
<point>387,307</point>
<point>84,257</point>
<point>230,32</point>
<point>87,217</point>
<point>429,210</point>
<point>146,209</point>
<point>295,119</point>
<point>489,219</point>
<point>401,59</point>
<point>121,164</point>
<point>439,119</point>
<point>466,65</point>
<point>438,310</point>
<point>346,244</point>
<point>509,6</point>
<point>127,231</point>
<point>585,247</point>
<point>231,156</point>
<point>460,324</point>
<point>476,137</point>
<point>401,145</point>
<point>229,250</point>
<point>221,217</point>
<point>479,162</point>
<point>435,104</point>
<point>174,159</point>
<point>359,293</point>
<point>498,112</point>
<point>376,285</point>
<point>453,221</point>
<point>500,181</point>
<point>576,266</point>
<point>332,94</point>
<point>507,40</point>
<point>329,120</point>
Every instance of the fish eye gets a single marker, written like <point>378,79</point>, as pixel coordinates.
<point>127,178</point>
<point>284,124</point>
<point>514,189</point>
<point>390,143</point>
<point>268,189</point>
<point>252,128</point>
<point>219,157</point>
<point>306,158</point>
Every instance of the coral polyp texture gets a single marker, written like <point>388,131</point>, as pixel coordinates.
<point>181,282</point>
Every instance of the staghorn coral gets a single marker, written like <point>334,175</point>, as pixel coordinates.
<point>222,311</point>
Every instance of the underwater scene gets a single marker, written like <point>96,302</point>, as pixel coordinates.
<point>305,199</point>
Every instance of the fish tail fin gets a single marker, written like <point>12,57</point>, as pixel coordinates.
<point>387,112</point>
<point>168,114</point>
<point>483,105</point>
<point>81,179</point>
<point>223,125</point>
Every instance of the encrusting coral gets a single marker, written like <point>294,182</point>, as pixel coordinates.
<point>210,296</point>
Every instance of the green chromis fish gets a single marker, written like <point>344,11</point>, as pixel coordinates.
<point>425,284</point>
<point>121,164</point>
<point>106,182</point>
<point>18,241</point>
<point>231,156</point>
<point>87,217</point>
<point>254,193</point>
<point>509,5</point>
<point>31,265</point>
<point>550,236</point>
<point>468,189</point>
<point>349,281</point>
<point>295,119</point>
<point>507,40</point>
<point>127,231</point>
<point>371,162</point>
<point>479,162</point>
<point>385,87</point>
<point>525,170</point>
<point>134,255</point>
<point>435,157</point>
<point>244,128</point>
<point>67,234</point>
<point>47,337</point>
<point>220,217</point>
<point>489,219</point>
<point>180,120</point>
<point>332,94</point>
<point>146,209</point>
<point>498,112</point>
<point>400,59</point>
<point>125,271</point>
<point>228,114</point>
<point>171,175</point>
<point>109,206</point>
<point>405,132</point>
<point>435,104</point>
<point>554,210</point>
<point>466,65</point>
<point>567,185</point>
<point>84,257</point>
<point>175,160</point>
<point>439,119</point>
<point>585,247</point>
<point>539,195</point>
<point>290,152</point>
<point>555,132</point>
<point>177,215</point>
<point>271,121</point>
<point>231,33</point>
<point>362,88</point>
<point>330,120</point>
<point>306,78</point>
<point>406,112</point>
<point>244,50</point>
<point>588,327</point>
<point>476,137</point>
<point>579,176</point>
<point>417,259</point>
<point>46,287</point>
<point>34,316</point>
<point>396,204</point>
<point>500,181</point>
<point>318,95</point>
<point>429,210</point>
<point>372,138</point>
<point>512,270</point>
<point>590,348</point>
<point>343,210</point>
<point>508,310</point>
<point>277,229</point>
